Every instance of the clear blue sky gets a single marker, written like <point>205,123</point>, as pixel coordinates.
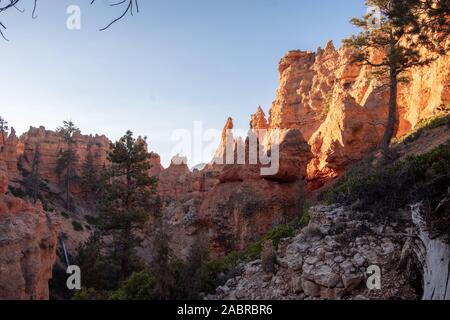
<point>175,62</point>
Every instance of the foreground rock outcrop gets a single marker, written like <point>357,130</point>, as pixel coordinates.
<point>427,258</point>
<point>332,258</point>
<point>28,239</point>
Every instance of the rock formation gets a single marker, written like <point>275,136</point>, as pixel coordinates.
<point>231,202</point>
<point>259,121</point>
<point>28,238</point>
<point>50,145</point>
<point>9,154</point>
<point>341,112</point>
<point>246,203</point>
<point>429,257</point>
<point>329,259</point>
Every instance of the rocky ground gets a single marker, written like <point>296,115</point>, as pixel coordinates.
<point>329,259</point>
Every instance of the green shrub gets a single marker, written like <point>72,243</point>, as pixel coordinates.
<point>304,219</point>
<point>65,214</point>
<point>17,192</point>
<point>77,226</point>
<point>88,294</point>
<point>91,220</point>
<point>426,124</point>
<point>385,189</point>
<point>139,286</point>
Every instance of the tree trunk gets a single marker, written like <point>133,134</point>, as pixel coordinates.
<point>36,180</point>
<point>68,188</point>
<point>3,141</point>
<point>392,115</point>
<point>125,261</point>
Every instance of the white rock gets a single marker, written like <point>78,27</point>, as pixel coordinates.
<point>358,260</point>
<point>326,277</point>
<point>295,262</point>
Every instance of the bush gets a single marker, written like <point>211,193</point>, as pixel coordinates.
<point>88,294</point>
<point>139,286</point>
<point>193,276</point>
<point>426,124</point>
<point>304,220</point>
<point>77,226</point>
<point>386,189</point>
<point>91,220</point>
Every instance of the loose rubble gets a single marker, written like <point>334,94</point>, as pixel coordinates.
<point>328,260</point>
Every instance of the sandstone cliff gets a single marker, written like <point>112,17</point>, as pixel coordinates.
<point>28,239</point>
<point>231,203</point>
<point>342,111</point>
<point>50,145</point>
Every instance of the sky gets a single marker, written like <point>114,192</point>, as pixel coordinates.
<point>175,64</point>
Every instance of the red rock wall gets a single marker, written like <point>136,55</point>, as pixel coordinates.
<point>50,144</point>
<point>28,239</point>
<point>342,112</point>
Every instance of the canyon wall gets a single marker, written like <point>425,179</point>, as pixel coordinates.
<point>50,144</point>
<point>28,239</point>
<point>341,110</point>
<point>230,205</point>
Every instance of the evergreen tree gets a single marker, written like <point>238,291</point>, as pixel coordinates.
<point>100,272</point>
<point>89,179</point>
<point>399,30</point>
<point>3,131</point>
<point>434,17</point>
<point>126,199</point>
<point>193,277</point>
<point>164,286</point>
<point>67,159</point>
<point>33,181</point>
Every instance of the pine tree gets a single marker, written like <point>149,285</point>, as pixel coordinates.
<point>67,159</point>
<point>33,181</point>
<point>3,131</point>
<point>126,201</point>
<point>89,179</point>
<point>398,30</point>
<point>193,277</point>
<point>161,267</point>
<point>100,272</point>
